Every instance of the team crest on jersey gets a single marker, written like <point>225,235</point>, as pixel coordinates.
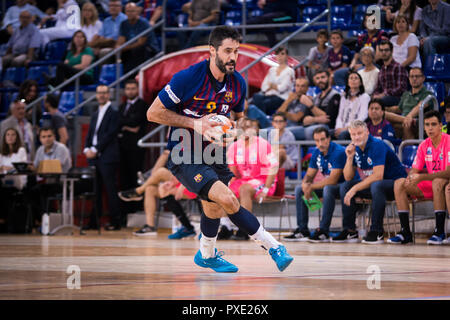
<point>229,96</point>
<point>369,161</point>
<point>429,150</point>
<point>198,178</point>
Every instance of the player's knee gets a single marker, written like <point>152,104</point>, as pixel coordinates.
<point>399,185</point>
<point>229,202</point>
<point>439,184</point>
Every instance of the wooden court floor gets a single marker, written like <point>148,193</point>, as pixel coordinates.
<point>117,265</point>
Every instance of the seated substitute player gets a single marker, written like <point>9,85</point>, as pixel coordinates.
<point>378,167</point>
<point>327,159</point>
<point>187,104</point>
<point>434,153</point>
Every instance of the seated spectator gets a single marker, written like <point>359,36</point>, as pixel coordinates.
<point>65,25</point>
<point>202,13</point>
<point>435,28</point>
<point>323,177</point>
<point>353,106</point>
<point>392,79</point>
<point>370,72</point>
<point>404,115</point>
<point>78,58</point>
<point>28,92</point>
<point>413,13</point>
<point>137,52</point>
<point>277,84</point>
<point>446,118</point>
<point>287,154</point>
<point>23,46</point>
<point>12,151</point>
<point>90,24</point>
<point>428,186</point>
<point>11,20</point>
<point>57,120</point>
<point>274,11</point>
<point>406,44</point>
<point>378,126</point>
<point>339,57</point>
<point>18,121</point>
<point>318,55</point>
<point>387,7</point>
<point>161,185</point>
<point>105,40</point>
<point>49,150</point>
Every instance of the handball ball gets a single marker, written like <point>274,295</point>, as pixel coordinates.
<point>225,124</point>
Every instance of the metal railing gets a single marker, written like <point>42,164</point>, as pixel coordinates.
<point>422,106</point>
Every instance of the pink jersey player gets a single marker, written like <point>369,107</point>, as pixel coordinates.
<point>435,159</point>
<point>253,164</point>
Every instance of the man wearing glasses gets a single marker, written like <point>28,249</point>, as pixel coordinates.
<point>392,79</point>
<point>404,115</point>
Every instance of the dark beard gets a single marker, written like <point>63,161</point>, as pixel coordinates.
<point>222,67</point>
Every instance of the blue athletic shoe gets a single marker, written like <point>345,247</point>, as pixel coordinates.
<point>401,238</point>
<point>281,257</point>
<point>216,263</point>
<point>436,238</point>
<point>182,233</point>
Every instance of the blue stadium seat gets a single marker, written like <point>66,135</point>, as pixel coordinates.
<point>361,8</point>
<point>55,51</point>
<point>35,73</point>
<point>341,16</point>
<point>108,73</point>
<point>313,91</point>
<point>408,155</point>
<point>309,13</point>
<point>67,101</point>
<point>354,33</point>
<point>437,88</point>
<point>15,74</point>
<point>357,20</point>
<point>235,16</point>
<point>437,67</point>
<point>339,89</point>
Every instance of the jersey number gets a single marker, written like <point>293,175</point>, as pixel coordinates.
<point>436,165</point>
<point>211,106</point>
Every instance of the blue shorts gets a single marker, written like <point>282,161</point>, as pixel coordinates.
<point>198,178</point>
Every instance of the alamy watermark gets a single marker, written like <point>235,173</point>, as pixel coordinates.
<point>74,280</point>
<point>374,280</point>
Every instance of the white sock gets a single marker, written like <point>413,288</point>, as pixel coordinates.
<point>265,239</point>
<point>207,246</point>
<point>225,221</point>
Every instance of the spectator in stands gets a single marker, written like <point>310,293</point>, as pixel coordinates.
<point>287,154</point>
<point>66,23</point>
<point>324,176</point>
<point>105,40</point>
<point>318,55</point>
<point>370,72</point>
<point>446,119</point>
<point>102,151</point>
<point>78,58</point>
<point>11,20</point>
<point>90,23</point>
<point>254,165</point>
<point>406,112</point>
<point>406,44</point>
<point>57,120</point>
<point>274,11</point>
<point>18,121</point>
<point>137,52</point>
<point>378,167</point>
<point>413,13</point>
<point>392,79</point>
<point>12,151</point>
<point>339,57</point>
<point>50,149</point>
<point>202,13</point>
<point>277,84</point>
<point>378,126</point>
<point>354,105</point>
<point>435,28</point>
<point>387,7</point>
<point>132,127</point>
<point>428,186</point>
<point>161,184</point>
<point>23,46</point>
<point>29,91</point>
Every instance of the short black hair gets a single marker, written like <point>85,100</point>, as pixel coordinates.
<point>321,129</point>
<point>221,33</point>
<point>322,70</point>
<point>386,42</point>
<point>338,32</point>
<point>279,114</point>
<point>379,101</point>
<point>46,129</point>
<point>281,49</point>
<point>322,32</point>
<point>52,100</point>
<point>131,81</point>
<point>431,114</point>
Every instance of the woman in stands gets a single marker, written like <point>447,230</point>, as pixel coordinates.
<point>409,9</point>
<point>90,24</point>
<point>12,151</point>
<point>78,58</point>
<point>406,44</point>
<point>354,105</point>
<point>29,92</point>
<point>277,84</point>
<point>369,73</point>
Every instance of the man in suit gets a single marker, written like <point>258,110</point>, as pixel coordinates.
<point>132,127</point>
<point>102,151</point>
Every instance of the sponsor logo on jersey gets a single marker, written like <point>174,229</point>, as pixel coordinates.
<point>172,95</point>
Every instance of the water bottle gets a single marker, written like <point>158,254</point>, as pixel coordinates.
<point>45,224</point>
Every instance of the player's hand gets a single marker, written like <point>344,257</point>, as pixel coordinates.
<point>322,119</point>
<point>408,122</point>
<point>350,150</point>
<point>349,196</point>
<point>307,190</point>
<point>261,197</point>
<point>203,126</point>
<point>413,179</point>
